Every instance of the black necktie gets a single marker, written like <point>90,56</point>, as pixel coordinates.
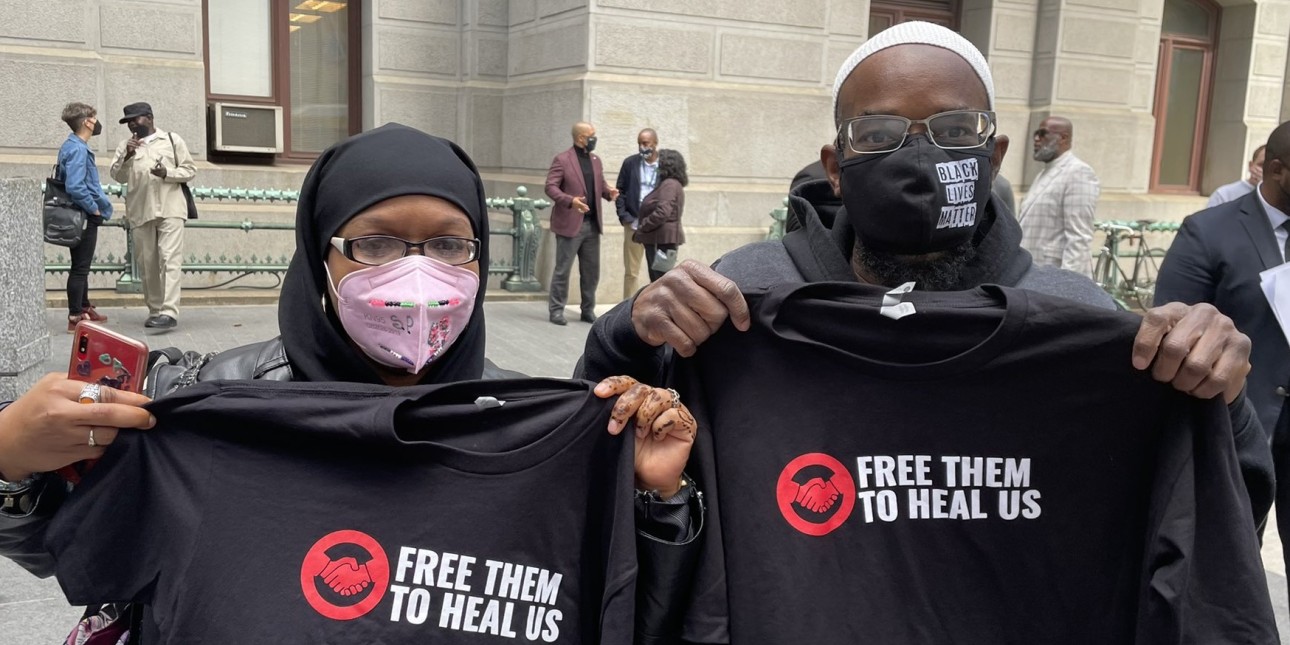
<point>1285,257</point>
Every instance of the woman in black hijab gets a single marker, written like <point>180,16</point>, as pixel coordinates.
<point>348,179</point>
<point>374,209</point>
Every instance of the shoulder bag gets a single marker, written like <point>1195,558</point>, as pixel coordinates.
<point>62,221</point>
<point>188,194</point>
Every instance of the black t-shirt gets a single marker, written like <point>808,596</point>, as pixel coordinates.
<point>263,512</point>
<point>989,469</point>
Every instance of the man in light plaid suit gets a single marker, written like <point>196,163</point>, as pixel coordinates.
<point>1057,214</point>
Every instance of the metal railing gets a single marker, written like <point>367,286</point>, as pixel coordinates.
<point>778,219</point>
<point>521,272</point>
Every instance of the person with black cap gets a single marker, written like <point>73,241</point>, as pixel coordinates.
<point>390,214</point>
<point>155,163</point>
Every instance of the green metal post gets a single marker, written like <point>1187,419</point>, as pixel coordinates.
<point>129,282</point>
<point>778,217</point>
<point>525,242</point>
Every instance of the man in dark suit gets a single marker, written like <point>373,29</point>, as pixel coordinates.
<point>576,183</point>
<point>636,180</point>
<point>1216,258</point>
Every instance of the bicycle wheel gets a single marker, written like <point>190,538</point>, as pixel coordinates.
<point>1104,271</point>
<point>1146,266</point>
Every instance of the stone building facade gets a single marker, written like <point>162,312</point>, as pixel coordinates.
<point>740,87</point>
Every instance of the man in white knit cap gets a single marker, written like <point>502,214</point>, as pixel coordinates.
<point>913,96</point>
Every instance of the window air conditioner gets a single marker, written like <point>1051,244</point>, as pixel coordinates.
<point>240,127</point>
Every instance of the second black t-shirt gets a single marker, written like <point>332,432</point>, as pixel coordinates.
<point>989,469</point>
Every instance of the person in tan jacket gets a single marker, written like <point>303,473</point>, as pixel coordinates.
<point>659,226</point>
<point>154,163</point>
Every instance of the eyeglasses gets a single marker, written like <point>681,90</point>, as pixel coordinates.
<point>874,134</point>
<point>375,250</point>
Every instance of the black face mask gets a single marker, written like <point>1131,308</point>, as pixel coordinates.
<point>98,129</point>
<point>646,151</point>
<point>140,130</point>
<point>918,199</point>
<point>591,144</point>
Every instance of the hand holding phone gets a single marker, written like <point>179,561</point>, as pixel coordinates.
<point>100,355</point>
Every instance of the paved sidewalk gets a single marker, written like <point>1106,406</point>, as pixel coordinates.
<point>33,612</point>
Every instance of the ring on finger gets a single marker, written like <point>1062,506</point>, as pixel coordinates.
<point>90,393</point>
<point>92,442</point>
<point>676,398</point>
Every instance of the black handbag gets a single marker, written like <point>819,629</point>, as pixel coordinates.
<point>62,221</point>
<point>188,194</point>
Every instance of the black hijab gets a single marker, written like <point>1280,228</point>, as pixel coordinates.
<point>357,173</point>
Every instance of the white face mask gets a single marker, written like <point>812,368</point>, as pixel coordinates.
<point>408,312</point>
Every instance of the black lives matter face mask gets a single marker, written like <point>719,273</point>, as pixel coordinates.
<point>918,199</point>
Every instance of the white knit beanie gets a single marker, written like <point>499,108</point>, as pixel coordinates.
<point>921,33</point>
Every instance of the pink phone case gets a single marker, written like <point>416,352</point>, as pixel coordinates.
<point>100,355</point>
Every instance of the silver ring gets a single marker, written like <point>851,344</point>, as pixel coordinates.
<point>90,393</point>
<point>676,398</point>
<point>93,443</point>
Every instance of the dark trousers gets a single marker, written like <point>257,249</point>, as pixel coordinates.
<point>650,251</point>
<point>78,277</point>
<point>586,247</point>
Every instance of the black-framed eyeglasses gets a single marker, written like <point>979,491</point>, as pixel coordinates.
<point>879,133</point>
<point>375,250</point>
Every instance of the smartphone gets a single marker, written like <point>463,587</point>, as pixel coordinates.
<point>100,355</point>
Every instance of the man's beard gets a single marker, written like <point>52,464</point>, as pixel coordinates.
<point>1046,153</point>
<point>936,272</point>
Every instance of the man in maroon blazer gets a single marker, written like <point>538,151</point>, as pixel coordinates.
<point>576,219</point>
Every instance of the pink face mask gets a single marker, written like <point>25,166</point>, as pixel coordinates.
<point>408,312</point>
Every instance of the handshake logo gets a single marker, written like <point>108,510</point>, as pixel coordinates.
<point>345,575</point>
<point>815,494</point>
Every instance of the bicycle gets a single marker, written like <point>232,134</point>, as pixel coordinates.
<point>1138,285</point>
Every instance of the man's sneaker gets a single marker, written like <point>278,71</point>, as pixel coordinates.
<point>72,320</point>
<point>92,314</point>
<point>161,321</point>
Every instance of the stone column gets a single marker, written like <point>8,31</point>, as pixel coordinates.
<point>1249,76</point>
<point>24,338</point>
<point>1095,64</point>
<point>413,71</point>
<point>1004,30</point>
<point>741,88</point>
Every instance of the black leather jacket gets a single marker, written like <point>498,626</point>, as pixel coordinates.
<point>665,565</point>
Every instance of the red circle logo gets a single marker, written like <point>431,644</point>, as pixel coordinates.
<point>815,493</point>
<point>345,575</point>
